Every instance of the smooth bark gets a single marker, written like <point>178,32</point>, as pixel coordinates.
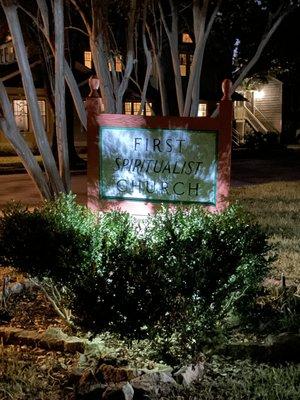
<point>29,89</point>
<point>12,134</point>
<point>59,96</point>
<point>172,35</point>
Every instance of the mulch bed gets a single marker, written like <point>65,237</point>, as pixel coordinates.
<point>28,372</point>
<point>29,309</point>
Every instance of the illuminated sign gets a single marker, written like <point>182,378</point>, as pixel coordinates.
<point>158,165</point>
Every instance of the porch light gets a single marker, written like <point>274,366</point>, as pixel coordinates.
<point>259,94</point>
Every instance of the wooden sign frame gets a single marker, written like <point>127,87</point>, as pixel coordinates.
<point>221,124</point>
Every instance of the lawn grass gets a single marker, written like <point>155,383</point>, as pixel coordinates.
<point>276,206</point>
<point>243,380</point>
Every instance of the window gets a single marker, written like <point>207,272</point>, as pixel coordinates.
<point>117,63</point>
<point>202,110</point>
<point>42,105</point>
<point>7,53</point>
<point>186,38</point>
<point>136,108</point>
<point>88,59</point>
<point>183,64</point>
<point>185,60</point>
<point>133,108</point>
<point>21,114</point>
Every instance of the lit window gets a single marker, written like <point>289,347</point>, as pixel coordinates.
<point>148,109</point>
<point>202,110</point>
<point>136,108</point>
<point>186,38</point>
<point>7,53</point>
<point>183,64</point>
<point>42,105</point>
<point>20,108</point>
<point>21,114</point>
<point>133,108</point>
<point>118,63</point>
<point>88,59</point>
<point>127,108</point>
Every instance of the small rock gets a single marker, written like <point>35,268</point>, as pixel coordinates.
<point>119,391</point>
<point>16,288</point>
<point>159,383</point>
<point>116,374</point>
<point>128,391</point>
<point>74,346</point>
<point>190,374</point>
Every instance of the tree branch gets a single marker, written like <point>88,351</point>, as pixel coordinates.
<point>11,132</point>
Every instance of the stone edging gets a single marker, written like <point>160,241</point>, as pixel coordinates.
<point>10,335</point>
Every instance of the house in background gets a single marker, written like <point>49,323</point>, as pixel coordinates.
<point>21,113</point>
<point>10,76</point>
<point>262,112</point>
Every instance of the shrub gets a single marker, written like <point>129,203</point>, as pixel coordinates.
<point>262,141</point>
<point>207,266</point>
<point>175,280</point>
<point>57,241</point>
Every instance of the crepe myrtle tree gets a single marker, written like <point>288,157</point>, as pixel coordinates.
<point>56,182</point>
<point>48,18</point>
<point>57,179</point>
<point>203,19</point>
<point>113,28</point>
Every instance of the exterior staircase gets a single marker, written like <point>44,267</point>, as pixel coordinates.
<point>252,117</point>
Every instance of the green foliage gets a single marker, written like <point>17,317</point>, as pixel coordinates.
<point>58,240</point>
<point>173,281</point>
<point>208,266</point>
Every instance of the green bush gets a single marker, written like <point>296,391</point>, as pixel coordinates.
<point>262,141</point>
<point>57,241</point>
<point>175,280</point>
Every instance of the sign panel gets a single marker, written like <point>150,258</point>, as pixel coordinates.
<point>158,165</point>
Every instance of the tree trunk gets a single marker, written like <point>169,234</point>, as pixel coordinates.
<point>203,36</point>
<point>35,115</point>
<point>199,17</point>
<point>11,132</point>
<point>173,43</point>
<point>100,60</point>
<point>60,107</point>
<point>129,58</point>
<point>148,58</point>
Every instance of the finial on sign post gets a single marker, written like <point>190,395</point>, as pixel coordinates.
<point>226,89</point>
<point>94,84</point>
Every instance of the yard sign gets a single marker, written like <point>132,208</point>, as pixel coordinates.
<point>137,162</point>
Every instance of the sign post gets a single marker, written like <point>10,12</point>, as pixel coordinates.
<point>136,163</point>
